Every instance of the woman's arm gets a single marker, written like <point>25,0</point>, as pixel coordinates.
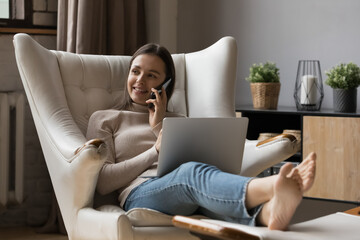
<point>114,176</point>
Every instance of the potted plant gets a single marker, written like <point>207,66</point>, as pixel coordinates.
<point>344,79</point>
<point>265,85</point>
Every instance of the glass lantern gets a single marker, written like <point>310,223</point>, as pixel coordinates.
<point>309,91</point>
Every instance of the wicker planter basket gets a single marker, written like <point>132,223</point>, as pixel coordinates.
<point>265,95</point>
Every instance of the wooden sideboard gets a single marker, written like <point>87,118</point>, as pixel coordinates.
<point>335,137</point>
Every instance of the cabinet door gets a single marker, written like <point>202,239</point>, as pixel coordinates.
<point>336,140</point>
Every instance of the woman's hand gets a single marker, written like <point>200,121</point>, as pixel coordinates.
<point>158,142</point>
<point>157,113</point>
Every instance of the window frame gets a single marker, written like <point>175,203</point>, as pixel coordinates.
<point>19,23</point>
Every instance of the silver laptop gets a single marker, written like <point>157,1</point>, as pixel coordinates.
<point>215,141</point>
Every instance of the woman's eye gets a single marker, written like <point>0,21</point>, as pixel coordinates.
<point>134,71</point>
<point>152,76</point>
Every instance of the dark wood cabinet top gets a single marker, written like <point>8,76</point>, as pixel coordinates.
<point>293,110</point>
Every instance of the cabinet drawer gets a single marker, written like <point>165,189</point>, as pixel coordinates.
<point>336,140</point>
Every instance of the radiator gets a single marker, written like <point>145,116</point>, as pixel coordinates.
<point>12,117</point>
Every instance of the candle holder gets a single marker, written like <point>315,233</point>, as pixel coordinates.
<point>309,91</point>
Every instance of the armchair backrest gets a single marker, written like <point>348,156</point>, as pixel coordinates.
<point>204,82</point>
<point>205,85</point>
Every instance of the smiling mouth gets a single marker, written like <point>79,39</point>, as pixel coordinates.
<point>139,90</point>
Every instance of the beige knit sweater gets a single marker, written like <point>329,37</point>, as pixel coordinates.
<point>131,152</point>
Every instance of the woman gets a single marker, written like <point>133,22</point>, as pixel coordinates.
<point>133,136</point>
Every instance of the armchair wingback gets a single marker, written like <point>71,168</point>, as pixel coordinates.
<point>63,90</point>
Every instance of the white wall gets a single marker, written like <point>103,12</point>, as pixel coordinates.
<point>283,31</point>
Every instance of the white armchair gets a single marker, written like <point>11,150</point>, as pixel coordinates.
<point>64,89</point>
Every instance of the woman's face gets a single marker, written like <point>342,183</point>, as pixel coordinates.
<point>146,71</point>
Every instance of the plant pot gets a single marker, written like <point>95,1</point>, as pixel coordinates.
<point>265,95</point>
<point>345,100</point>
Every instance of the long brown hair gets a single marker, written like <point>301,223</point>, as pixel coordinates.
<point>163,53</point>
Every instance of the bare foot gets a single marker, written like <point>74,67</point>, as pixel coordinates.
<point>306,170</point>
<point>287,196</point>
<point>285,193</point>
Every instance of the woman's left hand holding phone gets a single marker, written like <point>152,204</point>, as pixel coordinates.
<point>157,113</point>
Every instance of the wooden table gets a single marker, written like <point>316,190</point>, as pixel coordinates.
<point>210,231</point>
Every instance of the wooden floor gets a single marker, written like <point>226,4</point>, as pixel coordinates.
<point>27,233</point>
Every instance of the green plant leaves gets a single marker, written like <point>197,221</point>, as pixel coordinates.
<point>267,72</point>
<point>343,76</point>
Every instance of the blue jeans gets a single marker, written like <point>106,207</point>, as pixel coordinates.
<point>196,188</point>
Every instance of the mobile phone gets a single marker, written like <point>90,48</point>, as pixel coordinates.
<point>165,84</point>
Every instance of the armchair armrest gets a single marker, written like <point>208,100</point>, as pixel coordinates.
<point>85,168</point>
<point>282,136</point>
<point>75,181</point>
<point>94,224</point>
<point>259,156</point>
<point>91,143</point>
